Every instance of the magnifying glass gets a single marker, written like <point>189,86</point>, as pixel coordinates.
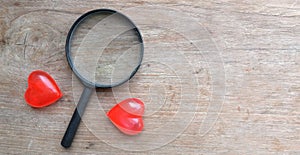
<point>104,49</point>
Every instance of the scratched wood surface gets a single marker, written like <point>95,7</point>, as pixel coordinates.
<point>229,86</point>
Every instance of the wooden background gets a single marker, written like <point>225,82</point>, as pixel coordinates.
<point>257,40</point>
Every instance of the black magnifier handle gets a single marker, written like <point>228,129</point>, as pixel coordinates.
<point>76,118</point>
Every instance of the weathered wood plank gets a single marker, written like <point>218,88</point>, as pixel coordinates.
<point>259,45</point>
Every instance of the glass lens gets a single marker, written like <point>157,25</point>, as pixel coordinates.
<point>105,49</point>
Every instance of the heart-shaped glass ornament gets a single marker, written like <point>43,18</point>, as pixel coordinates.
<point>42,90</point>
<point>127,116</point>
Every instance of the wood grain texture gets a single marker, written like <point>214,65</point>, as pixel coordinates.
<point>257,40</point>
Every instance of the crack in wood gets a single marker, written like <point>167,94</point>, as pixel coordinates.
<point>24,43</point>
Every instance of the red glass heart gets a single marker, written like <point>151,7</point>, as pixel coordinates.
<point>42,90</point>
<point>127,116</point>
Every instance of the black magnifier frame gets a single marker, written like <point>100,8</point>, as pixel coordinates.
<point>68,47</point>
<point>89,85</point>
